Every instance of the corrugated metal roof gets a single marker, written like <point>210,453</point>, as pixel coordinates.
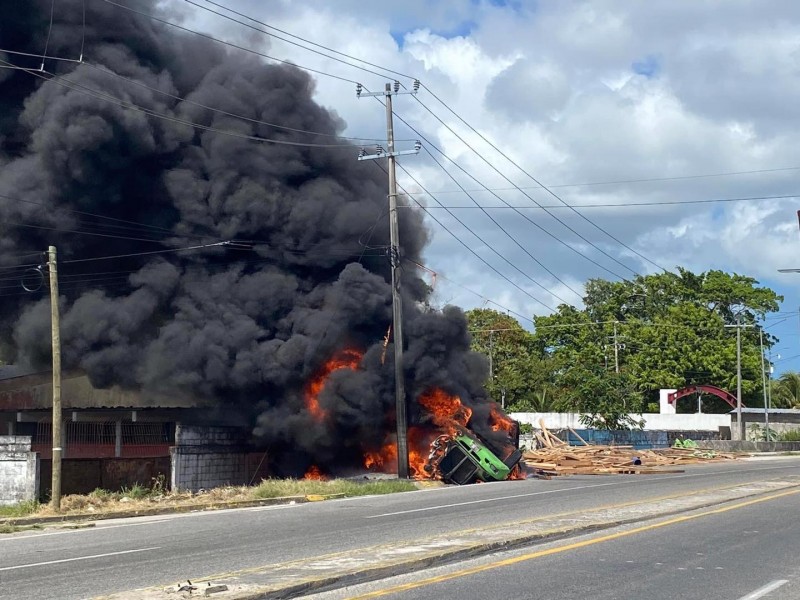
<point>11,371</point>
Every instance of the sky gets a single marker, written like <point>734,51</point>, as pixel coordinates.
<point>603,102</point>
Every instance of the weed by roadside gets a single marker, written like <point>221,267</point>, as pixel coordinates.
<point>22,509</point>
<point>139,497</point>
<point>276,488</point>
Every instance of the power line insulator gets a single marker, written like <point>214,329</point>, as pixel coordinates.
<point>359,89</point>
<point>396,86</point>
<point>416,85</point>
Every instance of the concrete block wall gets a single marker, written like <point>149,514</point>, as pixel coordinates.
<point>206,470</point>
<point>205,457</point>
<point>19,470</point>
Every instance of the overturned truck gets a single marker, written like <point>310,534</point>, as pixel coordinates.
<point>465,458</point>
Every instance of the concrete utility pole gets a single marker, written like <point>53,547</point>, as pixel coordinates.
<point>764,385</point>
<point>491,345</point>
<point>739,423</point>
<point>394,257</point>
<point>739,327</point>
<point>55,322</point>
<point>616,349</point>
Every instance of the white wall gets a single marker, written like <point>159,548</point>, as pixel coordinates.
<point>19,470</point>
<point>653,421</point>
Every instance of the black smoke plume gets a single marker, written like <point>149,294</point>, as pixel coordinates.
<point>244,326</point>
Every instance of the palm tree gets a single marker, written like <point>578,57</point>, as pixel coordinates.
<point>786,390</point>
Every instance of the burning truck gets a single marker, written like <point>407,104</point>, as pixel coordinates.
<point>441,444</point>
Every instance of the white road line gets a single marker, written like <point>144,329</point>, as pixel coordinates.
<point>66,560</point>
<point>763,591</point>
<point>496,499</point>
<point>81,530</point>
<point>569,489</point>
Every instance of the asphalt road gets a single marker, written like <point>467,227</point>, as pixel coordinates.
<point>745,553</point>
<point>132,553</point>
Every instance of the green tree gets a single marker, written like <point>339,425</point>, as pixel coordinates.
<point>658,331</point>
<point>786,390</point>
<point>519,373</point>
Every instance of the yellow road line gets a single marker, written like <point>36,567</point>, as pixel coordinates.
<point>557,550</point>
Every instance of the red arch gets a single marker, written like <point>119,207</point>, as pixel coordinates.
<point>703,389</point>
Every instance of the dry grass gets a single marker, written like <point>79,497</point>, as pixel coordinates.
<point>276,488</point>
<point>140,498</point>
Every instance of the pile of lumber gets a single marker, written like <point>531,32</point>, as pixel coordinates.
<point>556,457</point>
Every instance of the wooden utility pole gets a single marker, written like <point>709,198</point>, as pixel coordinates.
<point>394,258</point>
<point>55,494</point>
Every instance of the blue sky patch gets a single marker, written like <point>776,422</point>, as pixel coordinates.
<point>649,66</point>
<point>462,29</point>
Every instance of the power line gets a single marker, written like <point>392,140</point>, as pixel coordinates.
<point>621,181</point>
<point>523,215</point>
<point>495,251</point>
<point>224,16</point>
<point>479,257</point>
<point>537,225</point>
<point>80,88</point>
<point>106,71</point>
<point>481,296</point>
<point>229,44</point>
<point>366,62</point>
<point>618,204</point>
<point>548,190</point>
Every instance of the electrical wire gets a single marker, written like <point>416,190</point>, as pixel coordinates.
<point>49,29</point>
<point>621,181</point>
<point>229,44</point>
<point>80,88</point>
<point>108,72</point>
<point>366,62</point>
<point>111,73</point>
<point>517,242</point>
<point>548,190</point>
<point>479,295</point>
<point>224,16</point>
<point>490,247</point>
<point>478,256</point>
<point>517,211</point>
<point>620,204</point>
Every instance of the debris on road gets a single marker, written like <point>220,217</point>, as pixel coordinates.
<point>556,457</point>
<point>188,588</point>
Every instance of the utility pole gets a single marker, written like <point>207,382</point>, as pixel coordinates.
<point>394,258</point>
<point>738,327</point>
<point>739,423</point>
<point>491,344</point>
<point>55,322</point>
<point>764,385</point>
<point>616,349</point>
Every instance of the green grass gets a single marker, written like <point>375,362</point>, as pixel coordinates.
<point>16,528</point>
<point>277,488</point>
<point>23,509</point>
<point>136,492</point>
<point>790,436</point>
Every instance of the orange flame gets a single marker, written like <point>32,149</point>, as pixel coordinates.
<point>517,473</point>
<point>346,359</point>
<point>446,411</point>
<point>500,421</point>
<point>385,459</point>
<point>315,474</point>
